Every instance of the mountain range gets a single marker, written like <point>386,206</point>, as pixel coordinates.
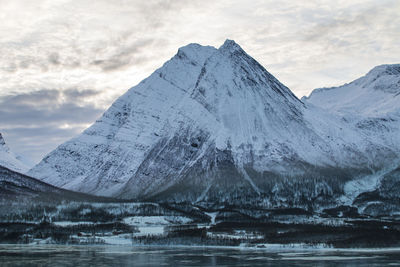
<point>214,126</point>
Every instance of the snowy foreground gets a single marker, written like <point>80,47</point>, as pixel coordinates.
<point>138,224</point>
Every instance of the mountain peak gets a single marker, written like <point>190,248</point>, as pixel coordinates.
<point>386,69</point>
<point>230,46</point>
<point>195,53</point>
<point>385,78</point>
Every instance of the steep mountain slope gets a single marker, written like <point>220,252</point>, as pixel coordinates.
<point>9,160</point>
<point>213,125</point>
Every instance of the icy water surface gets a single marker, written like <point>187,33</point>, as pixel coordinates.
<point>48,255</point>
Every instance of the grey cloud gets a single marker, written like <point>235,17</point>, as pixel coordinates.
<point>119,38</point>
<point>328,27</point>
<point>44,97</point>
<point>76,95</point>
<point>24,64</point>
<point>126,55</point>
<point>155,10</point>
<point>35,142</point>
<point>54,58</point>
<point>47,107</point>
<point>33,121</point>
<point>12,67</point>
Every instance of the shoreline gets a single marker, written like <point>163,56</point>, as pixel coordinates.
<point>268,247</point>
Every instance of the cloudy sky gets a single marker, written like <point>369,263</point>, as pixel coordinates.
<point>64,62</point>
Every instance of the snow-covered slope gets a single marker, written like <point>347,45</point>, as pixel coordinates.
<point>9,160</point>
<point>213,125</point>
<point>376,94</point>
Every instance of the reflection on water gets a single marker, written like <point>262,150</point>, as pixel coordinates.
<point>26,255</point>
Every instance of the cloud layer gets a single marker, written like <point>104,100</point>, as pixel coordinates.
<point>38,121</point>
<point>62,58</point>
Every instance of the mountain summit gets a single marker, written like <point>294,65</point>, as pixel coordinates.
<point>213,125</point>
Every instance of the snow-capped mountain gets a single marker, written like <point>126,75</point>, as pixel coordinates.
<point>377,94</point>
<point>9,160</point>
<point>214,125</point>
<point>371,105</point>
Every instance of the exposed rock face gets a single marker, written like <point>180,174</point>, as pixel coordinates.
<point>213,125</point>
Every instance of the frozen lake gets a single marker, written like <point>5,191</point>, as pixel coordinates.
<point>62,255</point>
